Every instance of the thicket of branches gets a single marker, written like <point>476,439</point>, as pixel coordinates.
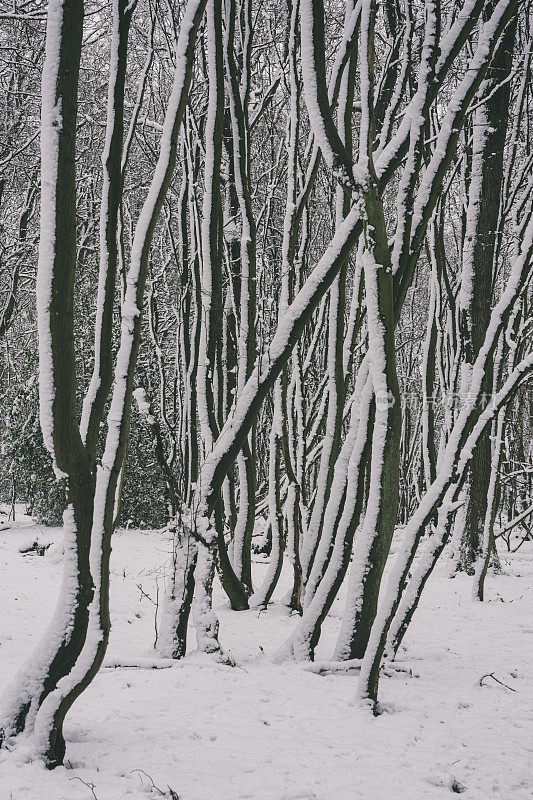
<point>282,261</point>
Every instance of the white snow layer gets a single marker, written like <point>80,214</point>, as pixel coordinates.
<point>268,732</point>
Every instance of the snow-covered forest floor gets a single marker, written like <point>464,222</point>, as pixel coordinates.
<point>279,732</point>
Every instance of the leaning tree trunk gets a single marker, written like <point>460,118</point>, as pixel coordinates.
<point>64,638</point>
<point>55,329</point>
<point>464,435</point>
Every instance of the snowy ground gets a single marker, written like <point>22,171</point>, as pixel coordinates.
<point>266,732</point>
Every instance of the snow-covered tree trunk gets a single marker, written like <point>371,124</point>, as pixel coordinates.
<point>373,543</point>
<point>65,636</point>
<point>480,248</point>
<point>172,641</point>
<point>465,434</point>
<point>212,533</point>
<point>239,91</point>
<point>336,385</point>
<point>90,518</point>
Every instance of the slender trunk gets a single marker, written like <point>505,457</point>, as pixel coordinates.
<point>489,141</point>
<point>50,717</point>
<point>64,638</point>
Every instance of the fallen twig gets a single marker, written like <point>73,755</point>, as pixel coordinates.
<point>170,793</point>
<point>161,792</point>
<point>88,785</point>
<point>333,667</point>
<point>494,678</point>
